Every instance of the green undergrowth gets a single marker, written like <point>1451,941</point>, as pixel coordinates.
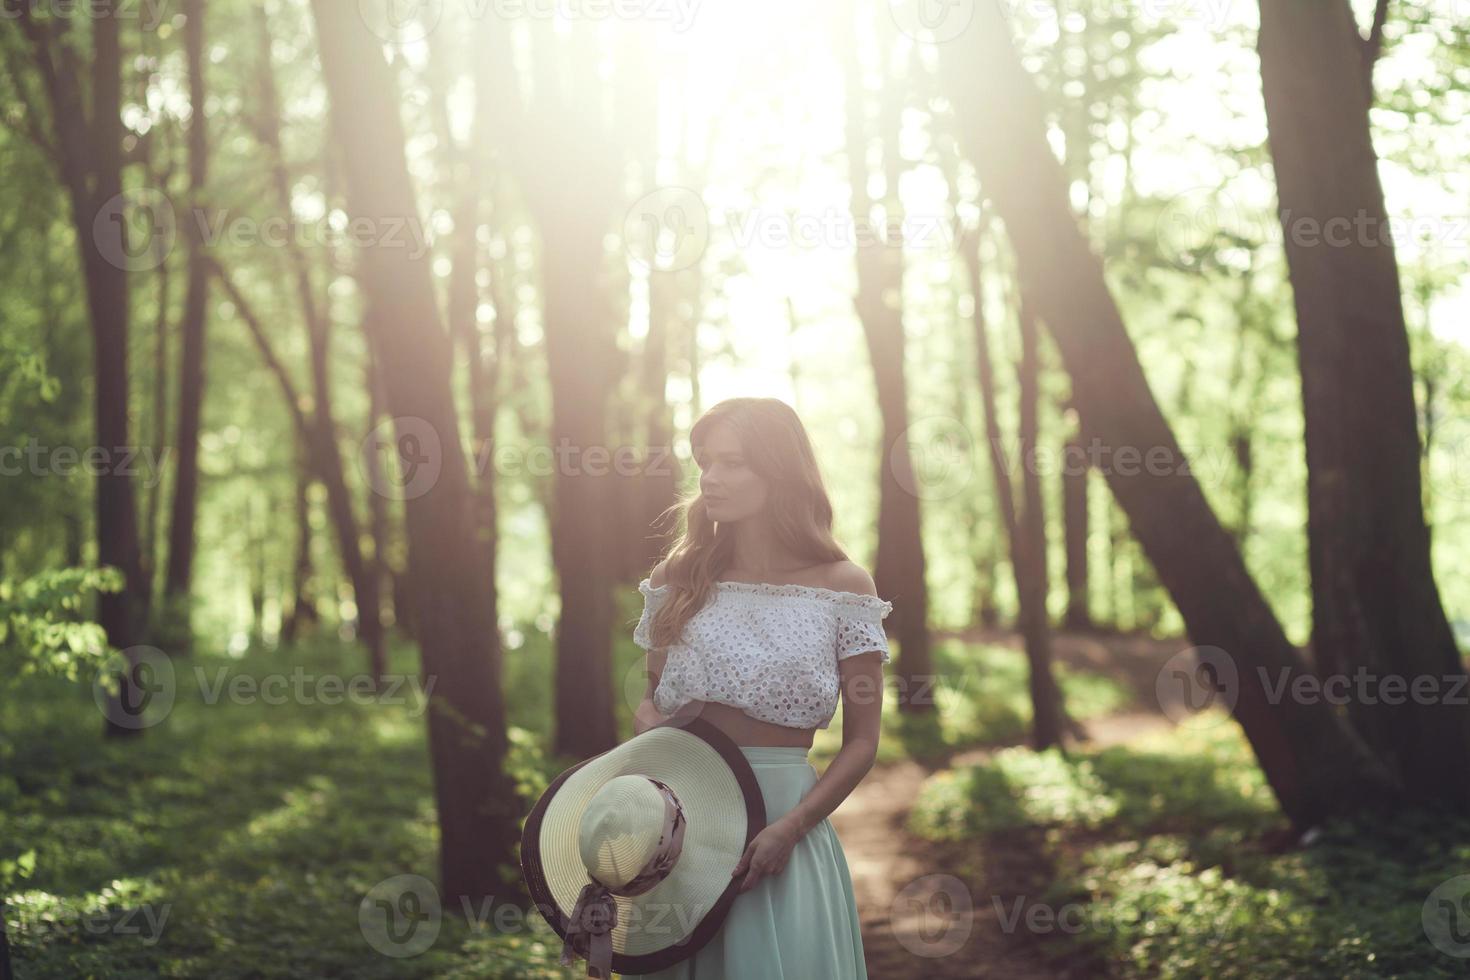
<point>233,839</point>
<point>1155,859</point>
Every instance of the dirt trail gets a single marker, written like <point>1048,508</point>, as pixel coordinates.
<point>939,910</point>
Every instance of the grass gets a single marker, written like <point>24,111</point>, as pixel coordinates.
<point>1154,855</point>
<point>981,698</point>
<point>233,840</point>
<point>241,837</point>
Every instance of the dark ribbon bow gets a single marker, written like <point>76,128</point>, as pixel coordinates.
<point>590,928</point>
<point>590,925</point>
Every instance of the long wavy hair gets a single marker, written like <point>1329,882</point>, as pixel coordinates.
<point>776,446</point>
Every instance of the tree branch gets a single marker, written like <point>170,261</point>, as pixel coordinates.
<point>267,353</point>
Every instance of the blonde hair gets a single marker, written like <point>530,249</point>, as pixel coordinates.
<point>776,446</point>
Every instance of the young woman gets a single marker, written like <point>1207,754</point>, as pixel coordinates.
<point>756,622</point>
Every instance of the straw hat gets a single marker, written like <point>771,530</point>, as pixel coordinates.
<point>628,854</point>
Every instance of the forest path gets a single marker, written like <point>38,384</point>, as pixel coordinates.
<point>941,909</point>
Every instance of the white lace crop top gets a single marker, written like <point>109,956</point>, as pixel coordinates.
<point>769,650</point>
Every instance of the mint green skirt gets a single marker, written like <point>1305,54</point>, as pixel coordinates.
<point>801,924</point>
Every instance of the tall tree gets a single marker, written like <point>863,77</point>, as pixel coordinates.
<point>1033,581</point>
<point>1376,606</point>
<point>86,145</point>
<point>569,167</point>
<point>192,329</point>
<point>467,168</point>
<point>1025,531</point>
<point>899,566</point>
<point>302,610</point>
<point>477,804</point>
<point>321,432</point>
<point>1312,762</point>
<point>1076,521</point>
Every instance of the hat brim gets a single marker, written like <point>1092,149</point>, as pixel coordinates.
<point>674,919</point>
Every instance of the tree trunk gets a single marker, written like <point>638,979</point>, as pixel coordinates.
<point>89,146</point>
<point>899,568</point>
<point>1025,532</point>
<point>158,176</point>
<point>303,610</point>
<point>322,434</point>
<point>1031,574</point>
<point>570,172</point>
<point>378,522</point>
<point>255,558</point>
<point>477,803</point>
<point>468,167</point>
<point>180,569</point>
<point>1075,525</point>
<point>1314,765</point>
<point>1376,607</point>
<point>659,478</point>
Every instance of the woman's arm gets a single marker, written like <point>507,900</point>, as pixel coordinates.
<point>862,707</point>
<point>646,716</point>
<point>862,710</point>
<point>861,677</point>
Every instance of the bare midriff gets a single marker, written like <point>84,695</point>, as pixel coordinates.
<point>742,728</point>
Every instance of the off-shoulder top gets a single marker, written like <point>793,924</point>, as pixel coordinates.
<point>770,650</point>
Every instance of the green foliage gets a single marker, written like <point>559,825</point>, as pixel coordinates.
<point>981,697</point>
<point>250,832</point>
<point>41,626</point>
<point>1160,856</point>
<point>1017,788</point>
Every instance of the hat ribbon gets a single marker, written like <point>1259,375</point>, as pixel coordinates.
<point>595,914</point>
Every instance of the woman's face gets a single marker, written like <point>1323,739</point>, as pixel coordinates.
<point>731,490</point>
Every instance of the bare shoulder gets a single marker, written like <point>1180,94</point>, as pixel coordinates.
<point>849,576</point>
<point>657,577</point>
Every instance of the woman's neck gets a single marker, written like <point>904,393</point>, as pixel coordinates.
<point>757,553</point>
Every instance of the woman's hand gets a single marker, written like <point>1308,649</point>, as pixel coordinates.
<point>767,853</point>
